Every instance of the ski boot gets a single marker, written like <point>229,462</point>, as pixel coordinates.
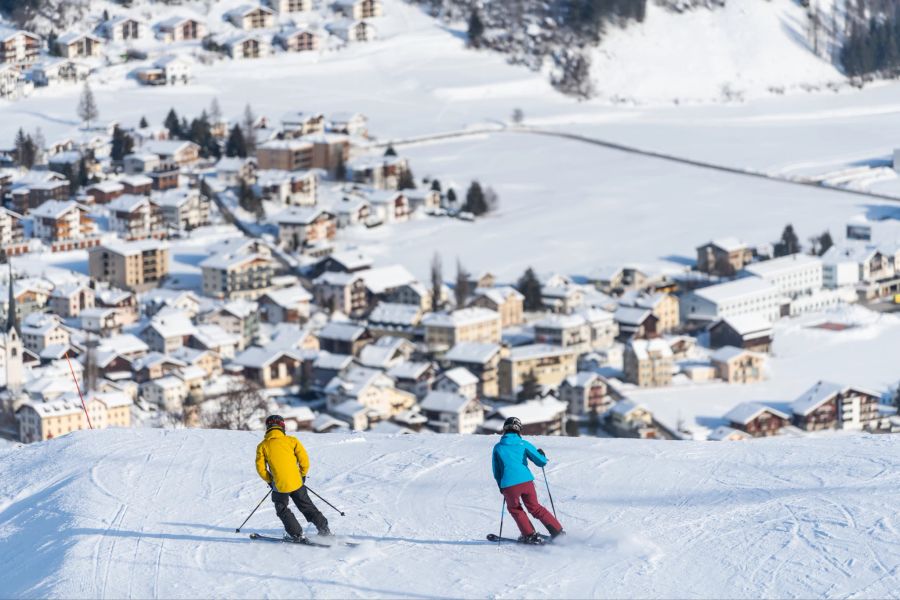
<point>555,533</point>
<point>325,532</point>
<point>533,539</point>
<point>297,539</point>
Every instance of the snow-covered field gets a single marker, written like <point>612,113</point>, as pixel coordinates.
<point>152,513</point>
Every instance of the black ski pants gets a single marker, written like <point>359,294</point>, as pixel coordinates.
<point>306,507</point>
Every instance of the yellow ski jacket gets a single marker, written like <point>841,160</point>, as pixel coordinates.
<point>282,459</point>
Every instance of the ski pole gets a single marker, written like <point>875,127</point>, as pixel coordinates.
<point>502,514</point>
<point>310,490</point>
<point>238,530</point>
<point>547,483</point>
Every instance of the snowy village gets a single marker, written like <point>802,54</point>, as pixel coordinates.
<point>410,228</point>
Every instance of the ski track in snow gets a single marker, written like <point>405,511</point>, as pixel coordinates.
<point>151,513</point>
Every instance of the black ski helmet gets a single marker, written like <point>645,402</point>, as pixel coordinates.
<point>274,421</point>
<point>512,424</point>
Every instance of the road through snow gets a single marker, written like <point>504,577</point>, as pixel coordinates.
<point>151,513</point>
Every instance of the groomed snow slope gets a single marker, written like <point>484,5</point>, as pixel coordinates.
<point>743,49</point>
<point>151,513</point>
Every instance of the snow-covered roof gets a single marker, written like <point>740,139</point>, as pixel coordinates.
<point>783,264</point>
<point>381,353</point>
<point>631,315</point>
<point>734,290</point>
<point>332,362</point>
<point>532,351</point>
<point>534,411</point>
<point>346,332</point>
<point>54,209</point>
<point>349,408</point>
<point>227,261</point>
<point>381,279</point>
<point>820,393</point>
<point>352,260</point>
<point>133,247</point>
<point>499,295</point>
<point>460,376</point>
<point>723,432</point>
<point>300,215</point>
<point>581,379</point>
<point>399,315</point>
<point>556,321</point>
<point>257,357</point>
<point>214,336</point>
<point>128,203</point>
<point>172,325</point>
<point>289,297</point>
<point>644,348</point>
<point>461,317</point>
<point>726,353</point>
<point>728,244</point>
<point>165,147</point>
<point>173,22</point>
<point>625,407</point>
<point>445,402</point>
<point>747,411</point>
<point>408,370</point>
<point>73,36</point>
<point>241,308</point>
<point>245,9</point>
<point>749,326</point>
<point>107,187</point>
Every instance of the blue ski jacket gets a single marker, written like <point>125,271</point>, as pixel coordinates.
<point>510,460</point>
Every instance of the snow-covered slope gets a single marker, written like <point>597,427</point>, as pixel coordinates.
<point>744,49</point>
<point>152,513</point>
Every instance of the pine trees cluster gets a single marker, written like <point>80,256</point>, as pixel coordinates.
<point>199,131</point>
<point>27,148</point>
<point>873,49</point>
<point>478,201</point>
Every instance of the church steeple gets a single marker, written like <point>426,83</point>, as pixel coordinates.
<point>11,321</point>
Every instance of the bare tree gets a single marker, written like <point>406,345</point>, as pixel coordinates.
<point>461,289</point>
<point>241,405</point>
<point>87,106</point>
<point>437,281</point>
<point>249,127</point>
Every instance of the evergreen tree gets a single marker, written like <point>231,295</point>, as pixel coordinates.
<point>173,124</point>
<point>26,152</point>
<point>122,145</point>
<point>491,199</point>
<point>461,288</point>
<point>52,50</point>
<point>789,244</point>
<point>530,389</point>
<point>249,127</point>
<point>40,145</point>
<point>518,116</point>
<point>236,145</point>
<point>529,286</point>
<point>87,106</point>
<point>825,242</point>
<point>390,151</point>
<point>475,202</point>
<point>436,185</point>
<point>143,123</point>
<point>451,196</point>
<point>201,134</point>
<point>406,181</point>
<point>476,30</point>
<point>437,281</point>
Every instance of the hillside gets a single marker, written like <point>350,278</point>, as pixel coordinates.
<point>151,513</point>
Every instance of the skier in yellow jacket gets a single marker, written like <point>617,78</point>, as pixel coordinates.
<point>282,462</point>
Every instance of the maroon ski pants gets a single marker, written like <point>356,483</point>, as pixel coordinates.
<point>521,493</point>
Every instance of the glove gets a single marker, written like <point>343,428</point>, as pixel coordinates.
<point>272,486</point>
<point>542,453</point>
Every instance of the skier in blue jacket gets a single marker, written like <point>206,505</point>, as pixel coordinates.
<point>510,466</point>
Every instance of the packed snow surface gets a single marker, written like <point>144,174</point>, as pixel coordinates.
<point>152,513</point>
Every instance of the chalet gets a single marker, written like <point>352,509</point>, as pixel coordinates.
<point>603,327</point>
<point>126,344</point>
<point>480,359</point>
<point>648,363</point>
<point>134,217</point>
<point>344,292</point>
<point>359,9</point>
<point>56,221</point>
<point>449,412</point>
<point>143,162</point>
<point>181,152</point>
<point>415,294</point>
<point>297,188</point>
<point>546,416</point>
<point>166,175</point>
<point>389,318</point>
<point>103,321</point>
<point>829,405</point>
<point>270,368</point>
<point>567,331</point>
<point>378,171</point>
<point>343,338</point>
<point>122,29</point>
<point>505,300</point>
<point>618,280</point>
<point>59,71</point>
<point>246,46</point>
<point>178,29</point>
<point>723,257</point>
<point>387,206</point>
<point>249,17</point>
<point>105,191</point>
<point>243,275</point>
<point>547,365</point>
<point>750,332</point>
<point>31,195</point>
<point>287,305</point>
<point>737,365</point>
<point>757,419</point>
<point>299,228</point>
<point>42,330</point>
<point>327,367</point>
<point>427,201</point>
<point>11,230</point>
<point>413,377</point>
<point>629,419</point>
<point>215,339</point>
<point>168,70</point>
<point>562,297</point>
<point>587,393</point>
<point>663,306</point>
<point>344,262</point>
<point>160,299</point>
<point>78,45</point>
<point>444,330</point>
<point>167,333</point>
<point>299,123</point>
<point>458,380</point>
<point>355,124</point>
<point>13,84</point>
<point>182,209</point>
<point>122,301</point>
<point>636,323</point>
<point>67,301</point>
<point>239,318</point>
<point>155,365</point>
<point>352,210</point>
<point>372,389</point>
<point>285,7</point>
<point>19,47</point>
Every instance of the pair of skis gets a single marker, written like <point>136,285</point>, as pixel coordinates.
<point>545,539</point>
<point>302,541</point>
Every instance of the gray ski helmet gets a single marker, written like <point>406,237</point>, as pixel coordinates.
<point>274,421</point>
<point>512,424</point>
